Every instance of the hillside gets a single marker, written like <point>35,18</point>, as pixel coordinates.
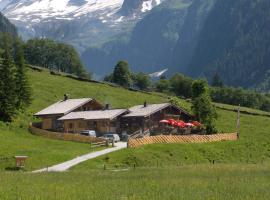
<point>254,136</point>
<point>48,89</point>
<point>234,42</point>
<point>82,23</point>
<point>252,148</point>
<point>6,26</point>
<point>150,44</point>
<point>162,171</point>
<point>199,38</point>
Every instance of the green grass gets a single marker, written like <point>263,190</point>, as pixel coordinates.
<point>172,171</point>
<point>253,147</point>
<point>242,109</point>
<point>47,89</point>
<point>184,182</point>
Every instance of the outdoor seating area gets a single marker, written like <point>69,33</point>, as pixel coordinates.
<point>178,127</point>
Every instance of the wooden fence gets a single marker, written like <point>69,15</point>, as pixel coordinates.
<point>166,139</point>
<point>63,136</point>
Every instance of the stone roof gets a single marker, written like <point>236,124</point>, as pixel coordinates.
<point>63,107</point>
<point>141,111</point>
<point>94,115</point>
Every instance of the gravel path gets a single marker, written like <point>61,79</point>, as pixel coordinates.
<point>67,165</point>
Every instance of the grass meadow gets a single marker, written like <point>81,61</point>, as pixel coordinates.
<point>184,182</point>
<point>47,89</point>
<point>225,170</point>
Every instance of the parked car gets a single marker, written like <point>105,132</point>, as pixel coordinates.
<point>90,133</point>
<point>111,137</point>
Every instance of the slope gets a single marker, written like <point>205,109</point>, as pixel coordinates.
<point>47,89</point>
<point>235,43</point>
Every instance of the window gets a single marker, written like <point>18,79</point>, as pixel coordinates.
<point>80,125</point>
<point>70,125</point>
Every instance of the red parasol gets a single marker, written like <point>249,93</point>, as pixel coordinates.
<point>189,125</point>
<point>196,123</point>
<point>172,122</point>
<point>181,124</point>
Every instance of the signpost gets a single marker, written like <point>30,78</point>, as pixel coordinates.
<point>238,122</point>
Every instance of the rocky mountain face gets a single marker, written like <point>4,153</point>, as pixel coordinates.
<point>6,26</point>
<point>196,37</point>
<point>199,38</point>
<point>164,38</point>
<point>235,43</point>
<point>82,23</point>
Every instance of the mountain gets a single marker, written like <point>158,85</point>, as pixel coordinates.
<point>199,38</point>
<point>6,26</point>
<point>196,37</point>
<point>235,43</point>
<point>82,23</point>
<point>164,38</point>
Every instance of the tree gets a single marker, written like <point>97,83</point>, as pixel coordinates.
<point>181,85</point>
<point>202,106</point>
<point>54,56</point>
<point>162,85</point>
<point>23,89</point>
<point>199,88</point>
<point>216,81</point>
<point>121,74</point>
<point>108,78</point>
<point>7,83</point>
<point>142,81</point>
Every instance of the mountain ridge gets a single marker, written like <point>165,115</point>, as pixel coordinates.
<point>81,23</point>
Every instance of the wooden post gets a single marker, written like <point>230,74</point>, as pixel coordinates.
<point>238,122</point>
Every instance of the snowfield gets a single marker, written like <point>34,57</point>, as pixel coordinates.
<point>44,9</point>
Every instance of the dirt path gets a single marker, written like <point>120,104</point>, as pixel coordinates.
<point>67,165</point>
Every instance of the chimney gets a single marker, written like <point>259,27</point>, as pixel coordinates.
<point>145,104</point>
<point>107,106</point>
<point>65,97</point>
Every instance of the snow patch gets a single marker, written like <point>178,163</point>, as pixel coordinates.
<point>120,19</point>
<point>148,5</point>
<point>158,74</point>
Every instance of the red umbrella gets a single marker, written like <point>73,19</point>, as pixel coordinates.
<point>181,124</point>
<point>164,121</point>
<point>189,125</point>
<point>172,122</point>
<point>196,123</point>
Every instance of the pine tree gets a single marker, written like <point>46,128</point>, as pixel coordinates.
<point>23,89</point>
<point>121,74</point>
<point>217,82</point>
<point>7,83</point>
<point>202,106</point>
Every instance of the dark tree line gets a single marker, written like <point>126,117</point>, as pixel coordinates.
<point>54,56</point>
<point>15,92</point>
<point>181,85</point>
<point>124,77</point>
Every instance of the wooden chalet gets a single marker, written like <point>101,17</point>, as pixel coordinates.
<point>102,121</point>
<point>51,114</point>
<point>145,117</point>
<point>76,115</point>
